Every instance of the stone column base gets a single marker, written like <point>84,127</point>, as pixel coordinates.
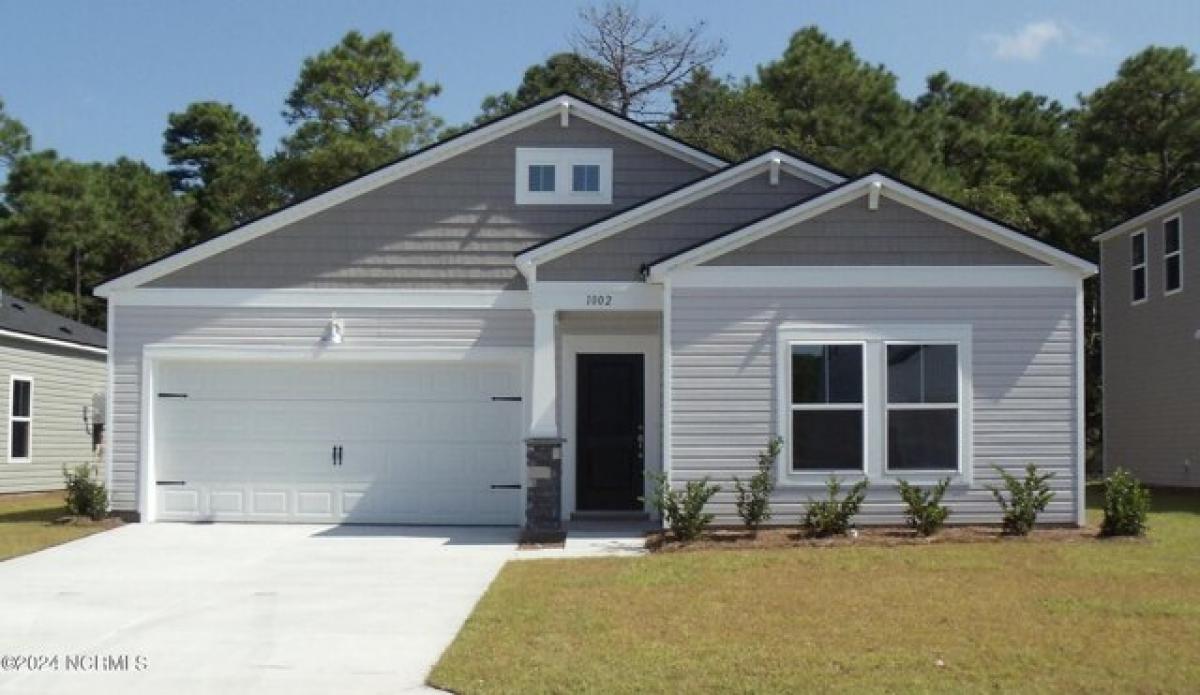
<point>543,486</point>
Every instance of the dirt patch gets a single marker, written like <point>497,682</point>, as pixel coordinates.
<point>875,536</point>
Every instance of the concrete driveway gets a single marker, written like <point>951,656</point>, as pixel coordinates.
<point>241,608</point>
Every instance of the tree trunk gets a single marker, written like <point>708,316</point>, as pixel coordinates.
<point>78,288</point>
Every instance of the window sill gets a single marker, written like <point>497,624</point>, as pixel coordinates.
<point>919,478</point>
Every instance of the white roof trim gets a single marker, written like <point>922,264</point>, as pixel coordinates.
<point>656,207</point>
<point>17,335</point>
<point>892,189</point>
<point>423,159</point>
<point>1133,223</point>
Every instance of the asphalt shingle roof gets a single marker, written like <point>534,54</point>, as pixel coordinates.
<point>20,316</point>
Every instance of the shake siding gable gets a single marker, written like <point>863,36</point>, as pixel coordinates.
<point>723,381</point>
<point>851,234</point>
<point>621,256</point>
<point>453,225</point>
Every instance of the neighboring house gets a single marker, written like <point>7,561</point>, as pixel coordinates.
<point>52,376</point>
<point>1150,322</point>
<point>527,321</point>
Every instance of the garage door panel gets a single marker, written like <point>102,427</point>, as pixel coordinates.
<point>420,443</point>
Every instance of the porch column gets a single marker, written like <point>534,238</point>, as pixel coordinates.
<point>543,447</point>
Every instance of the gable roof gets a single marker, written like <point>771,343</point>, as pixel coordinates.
<point>674,199</point>
<point>25,320</point>
<point>565,105</point>
<point>874,183</point>
<point>1139,220</point>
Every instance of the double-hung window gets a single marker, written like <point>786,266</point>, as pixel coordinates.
<point>922,407</point>
<point>1173,255</point>
<point>1137,266</point>
<point>564,176</point>
<point>827,422</point>
<point>876,401</point>
<point>20,419</point>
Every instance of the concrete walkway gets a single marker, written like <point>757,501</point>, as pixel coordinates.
<point>231,608</point>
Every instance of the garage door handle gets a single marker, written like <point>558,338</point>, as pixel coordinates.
<point>508,486</point>
<point>170,482</point>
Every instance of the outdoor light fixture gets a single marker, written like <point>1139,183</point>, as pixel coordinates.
<point>334,331</point>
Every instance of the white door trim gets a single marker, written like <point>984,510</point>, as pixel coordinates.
<point>645,345</point>
<point>155,355</point>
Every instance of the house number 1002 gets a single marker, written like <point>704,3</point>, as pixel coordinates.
<point>599,300</point>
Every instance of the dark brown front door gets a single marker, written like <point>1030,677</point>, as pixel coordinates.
<point>610,425</point>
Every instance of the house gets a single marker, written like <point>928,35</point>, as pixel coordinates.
<point>526,322</point>
<point>1150,320</point>
<point>52,372</point>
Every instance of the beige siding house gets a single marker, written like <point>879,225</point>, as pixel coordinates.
<point>52,384</point>
<point>1150,322</point>
<point>526,323</point>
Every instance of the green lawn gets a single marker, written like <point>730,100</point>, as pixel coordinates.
<point>1103,616</point>
<point>26,523</point>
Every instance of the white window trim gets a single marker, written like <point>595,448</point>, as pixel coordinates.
<point>888,407</point>
<point>12,380</point>
<point>874,337</point>
<point>1143,266</point>
<point>563,159</point>
<point>814,476</point>
<point>1178,253</point>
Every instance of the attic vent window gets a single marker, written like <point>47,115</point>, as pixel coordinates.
<point>564,176</point>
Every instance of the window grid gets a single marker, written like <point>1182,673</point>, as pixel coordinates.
<point>1173,255</point>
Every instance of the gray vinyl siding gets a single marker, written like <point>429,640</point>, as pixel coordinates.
<point>1152,360</point>
<point>455,224</point>
<point>723,396</point>
<point>64,381</point>
<point>621,256</point>
<point>136,327</point>
<point>895,234</point>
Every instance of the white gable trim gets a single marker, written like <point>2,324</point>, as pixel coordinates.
<point>420,160</point>
<point>1134,223</point>
<point>891,189</point>
<point>40,340</point>
<point>527,261</point>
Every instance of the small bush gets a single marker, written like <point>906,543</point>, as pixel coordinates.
<point>1126,503</point>
<point>925,513</point>
<point>683,510</point>
<point>829,517</point>
<point>1026,499</point>
<point>86,495</point>
<point>754,498</point>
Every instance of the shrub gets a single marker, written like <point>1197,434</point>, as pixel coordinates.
<point>1126,503</point>
<point>683,509</point>
<point>754,498</point>
<point>925,513</point>
<point>832,516</point>
<point>86,495</point>
<point>1026,499</point>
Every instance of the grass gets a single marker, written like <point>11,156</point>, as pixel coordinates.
<point>27,523</point>
<point>1100,616</point>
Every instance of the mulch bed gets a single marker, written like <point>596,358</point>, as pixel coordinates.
<point>874,536</point>
<point>105,523</point>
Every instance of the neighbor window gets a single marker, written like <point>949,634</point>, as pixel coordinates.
<point>1137,252</point>
<point>20,419</point>
<point>827,408</point>
<point>1172,255</point>
<point>922,407</point>
<point>564,176</point>
<point>541,178</point>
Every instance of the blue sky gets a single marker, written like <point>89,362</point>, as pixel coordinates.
<point>96,80</point>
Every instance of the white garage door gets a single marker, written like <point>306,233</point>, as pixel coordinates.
<point>417,442</point>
